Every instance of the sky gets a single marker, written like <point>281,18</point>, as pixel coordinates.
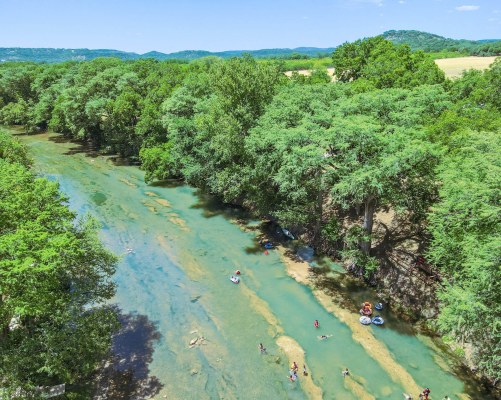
<point>215,25</point>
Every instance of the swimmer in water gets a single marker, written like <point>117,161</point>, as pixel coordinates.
<point>316,324</point>
<point>323,337</point>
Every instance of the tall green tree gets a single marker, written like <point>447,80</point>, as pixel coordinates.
<point>466,245</point>
<point>55,281</point>
<point>384,64</point>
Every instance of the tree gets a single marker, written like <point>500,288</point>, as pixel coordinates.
<point>466,245</point>
<point>384,65</point>
<point>55,326</point>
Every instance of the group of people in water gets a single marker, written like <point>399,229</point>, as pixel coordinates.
<point>425,395</point>
<point>294,367</point>
<point>293,371</point>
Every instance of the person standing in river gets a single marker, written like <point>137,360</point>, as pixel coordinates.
<point>262,349</point>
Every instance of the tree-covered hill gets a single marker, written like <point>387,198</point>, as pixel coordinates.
<point>429,42</point>
<point>417,40</point>
<point>51,55</point>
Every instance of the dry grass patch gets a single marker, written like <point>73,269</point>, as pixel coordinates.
<point>454,67</point>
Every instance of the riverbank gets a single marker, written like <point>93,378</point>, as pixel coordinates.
<point>176,281</point>
<point>331,289</point>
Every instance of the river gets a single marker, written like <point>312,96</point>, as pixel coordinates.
<point>173,287</point>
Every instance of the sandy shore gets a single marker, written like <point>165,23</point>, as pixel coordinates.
<point>360,333</point>
<point>295,353</point>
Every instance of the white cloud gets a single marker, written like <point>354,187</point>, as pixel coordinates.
<point>467,8</point>
<point>402,2</point>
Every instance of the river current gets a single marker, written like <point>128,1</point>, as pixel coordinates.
<point>178,249</point>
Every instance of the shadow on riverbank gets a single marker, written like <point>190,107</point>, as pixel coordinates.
<point>126,374</point>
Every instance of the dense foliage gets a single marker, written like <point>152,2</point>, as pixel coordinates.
<point>382,64</point>
<point>429,42</point>
<point>55,277</point>
<point>320,158</point>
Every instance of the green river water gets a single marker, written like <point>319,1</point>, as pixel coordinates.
<point>175,287</point>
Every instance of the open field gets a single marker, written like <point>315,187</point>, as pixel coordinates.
<point>453,67</point>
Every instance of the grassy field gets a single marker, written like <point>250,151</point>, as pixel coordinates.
<point>454,67</point>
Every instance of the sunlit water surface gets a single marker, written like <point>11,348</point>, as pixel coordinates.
<point>185,247</point>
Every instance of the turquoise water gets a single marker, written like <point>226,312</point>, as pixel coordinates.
<point>185,247</point>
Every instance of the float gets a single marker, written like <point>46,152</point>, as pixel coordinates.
<point>235,279</point>
<point>287,233</point>
<point>364,320</point>
<point>378,320</point>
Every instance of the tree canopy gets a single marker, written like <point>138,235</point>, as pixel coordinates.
<point>55,281</point>
<point>384,65</point>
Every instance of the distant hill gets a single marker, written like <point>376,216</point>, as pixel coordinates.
<point>415,39</point>
<point>51,55</point>
<point>434,43</point>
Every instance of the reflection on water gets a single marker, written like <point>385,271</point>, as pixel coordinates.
<point>175,287</point>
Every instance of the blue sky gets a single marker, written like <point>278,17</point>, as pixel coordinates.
<point>215,25</point>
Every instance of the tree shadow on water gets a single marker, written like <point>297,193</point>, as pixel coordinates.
<point>126,375</point>
<point>213,206</point>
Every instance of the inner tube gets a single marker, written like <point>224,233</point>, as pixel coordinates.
<point>379,306</point>
<point>237,272</point>
<point>364,320</point>
<point>268,245</point>
<point>235,279</point>
<point>377,320</point>
<point>366,311</point>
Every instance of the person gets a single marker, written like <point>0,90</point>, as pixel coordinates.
<point>407,397</point>
<point>316,324</point>
<point>291,378</point>
<point>446,398</point>
<point>294,366</point>
<point>262,348</point>
<point>323,337</point>
<point>426,393</point>
<point>304,370</point>
<point>345,372</point>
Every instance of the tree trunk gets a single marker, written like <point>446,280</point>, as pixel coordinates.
<point>370,208</point>
<point>317,234</point>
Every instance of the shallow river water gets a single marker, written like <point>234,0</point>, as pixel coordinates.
<point>174,287</point>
